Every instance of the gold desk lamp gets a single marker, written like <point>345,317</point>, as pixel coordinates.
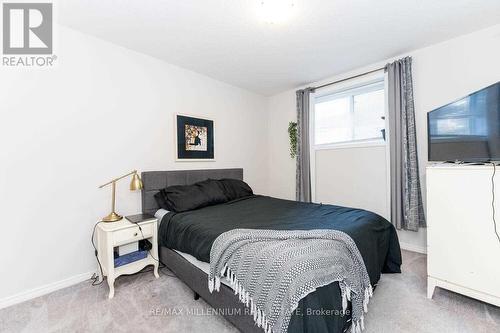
<point>135,184</point>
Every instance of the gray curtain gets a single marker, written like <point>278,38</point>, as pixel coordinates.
<point>406,197</point>
<point>303,172</point>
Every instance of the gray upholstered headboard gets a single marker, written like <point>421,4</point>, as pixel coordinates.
<point>154,181</point>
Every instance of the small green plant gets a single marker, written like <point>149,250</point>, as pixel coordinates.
<point>292,133</point>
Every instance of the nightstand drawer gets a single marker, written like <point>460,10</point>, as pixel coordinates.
<point>132,234</point>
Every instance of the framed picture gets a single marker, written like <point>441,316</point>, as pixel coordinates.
<point>195,138</point>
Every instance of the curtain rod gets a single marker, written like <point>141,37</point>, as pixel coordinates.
<point>349,78</point>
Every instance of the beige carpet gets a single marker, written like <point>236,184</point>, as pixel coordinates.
<point>143,303</point>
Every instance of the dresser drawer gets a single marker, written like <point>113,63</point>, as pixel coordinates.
<point>132,234</point>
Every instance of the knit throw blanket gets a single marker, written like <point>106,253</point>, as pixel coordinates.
<point>271,271</point>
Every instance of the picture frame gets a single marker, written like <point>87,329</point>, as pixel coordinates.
<point>194,138</point>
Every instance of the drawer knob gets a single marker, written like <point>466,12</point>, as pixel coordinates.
<point>135,234</point>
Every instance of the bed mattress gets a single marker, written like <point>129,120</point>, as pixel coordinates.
<point>204,266</point>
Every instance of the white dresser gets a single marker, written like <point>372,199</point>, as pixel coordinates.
<point>463,253</point>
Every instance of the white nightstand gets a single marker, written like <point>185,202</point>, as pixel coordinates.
<point>113,234</point>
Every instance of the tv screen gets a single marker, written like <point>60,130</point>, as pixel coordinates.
<point>467,130</point>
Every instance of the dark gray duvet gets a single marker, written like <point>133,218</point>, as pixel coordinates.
<point>194,232</point>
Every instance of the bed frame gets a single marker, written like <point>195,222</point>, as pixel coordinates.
<point>224,302</point>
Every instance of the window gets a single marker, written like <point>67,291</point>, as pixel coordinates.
<point>354,115</point>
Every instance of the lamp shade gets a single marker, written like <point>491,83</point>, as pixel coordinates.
<point>136,183</point>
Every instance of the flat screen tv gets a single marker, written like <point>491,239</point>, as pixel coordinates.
<point>467,130</point>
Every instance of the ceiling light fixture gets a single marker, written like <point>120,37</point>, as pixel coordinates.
<point>276,11</point>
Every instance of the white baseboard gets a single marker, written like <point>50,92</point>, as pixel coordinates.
<point>413,248</point>
<point>51,287</point>
<point>43,290</point>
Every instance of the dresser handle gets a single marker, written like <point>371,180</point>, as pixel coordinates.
<point>135,234</point>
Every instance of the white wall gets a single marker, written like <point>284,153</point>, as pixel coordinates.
<point>353,177</point>
<point>281,166</point>
<point>441,74</point>
<point>103,111</point>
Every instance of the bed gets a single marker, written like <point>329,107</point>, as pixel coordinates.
<point>185,240</point>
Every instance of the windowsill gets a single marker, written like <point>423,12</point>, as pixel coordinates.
<point>353,144</point>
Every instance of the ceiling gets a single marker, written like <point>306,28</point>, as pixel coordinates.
<point>228,41</point>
